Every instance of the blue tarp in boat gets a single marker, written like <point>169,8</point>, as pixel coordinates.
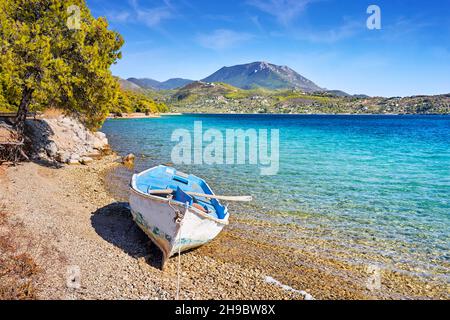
<point>163,177</point>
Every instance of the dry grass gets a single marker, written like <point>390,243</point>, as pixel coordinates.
<point>17,269</point>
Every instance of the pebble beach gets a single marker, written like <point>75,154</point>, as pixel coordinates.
<point>74,223</point>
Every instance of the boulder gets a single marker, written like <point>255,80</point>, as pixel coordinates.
<point>62,157</point>
<point>63,137</point>
<point>72,162</point>
<point>74,159</point>
<point>40,155</point>
<point>100,135</point>
<point>52,149</point>
<point>86,160</point>
<point>66,121</point>
<point>129,159</point>
<point>99,140</point>
<point>98,144</point>
<point>81,133</point>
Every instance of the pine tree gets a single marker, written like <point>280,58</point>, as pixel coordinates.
<point>55,53</point>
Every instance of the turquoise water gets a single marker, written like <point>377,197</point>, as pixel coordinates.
<point>378,185</point>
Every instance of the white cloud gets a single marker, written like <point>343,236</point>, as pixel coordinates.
<point>123,16</point>
<point>153,17</point>
<point>283,10</point>
<point>345,31</point>
<point>222,39</point>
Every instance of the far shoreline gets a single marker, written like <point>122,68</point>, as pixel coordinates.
<point>141,115</point>
<point>313,114</point>
<point>134,115</point>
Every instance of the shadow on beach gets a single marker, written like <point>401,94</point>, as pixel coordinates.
<point>115,224</point>
<point>38,138</point>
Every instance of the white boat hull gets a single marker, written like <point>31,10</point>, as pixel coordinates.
<point>171,225</point>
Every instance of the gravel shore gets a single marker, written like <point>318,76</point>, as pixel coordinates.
<point>76,225</point>
<point>78,228</point>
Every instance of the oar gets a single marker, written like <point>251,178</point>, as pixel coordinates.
<point>209,196</point>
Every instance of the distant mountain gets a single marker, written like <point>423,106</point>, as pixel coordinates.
<point>219,97</point>
<point>128,85</point>
<point>174,83</point>
<point>248,76</point>
<point>338,93</point>
<point>262,74</point>
<point>361,96</point>
<point>145,83</point>
<point>170,84</point>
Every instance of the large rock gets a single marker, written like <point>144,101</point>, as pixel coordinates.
<point>52,149</point>
<point>100,135</point>
<point>99,145</point>
<point>86,160</point>
<point>74,159</point>
<point>100,141</point>
<point>62,137</point>
<point>62,157</point>
<point>128,160</point>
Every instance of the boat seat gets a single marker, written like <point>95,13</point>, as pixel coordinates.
<point>162,177</point>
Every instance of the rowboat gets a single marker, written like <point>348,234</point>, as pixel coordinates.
<point>177,211</point>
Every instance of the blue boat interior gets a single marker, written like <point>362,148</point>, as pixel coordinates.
<point>163,177</point>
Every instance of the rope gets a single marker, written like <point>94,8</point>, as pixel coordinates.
<point>179,268</point>
<point>179,221</point>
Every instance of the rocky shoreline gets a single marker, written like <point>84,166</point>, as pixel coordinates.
<point>75,224</point>
<point>58,139</point>
<point>84,242</point>
<point>134,115</point>
<point>86,245</point>
<point>79,226</point>
<point>64,140</point>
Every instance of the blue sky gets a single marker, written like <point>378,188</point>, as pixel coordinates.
<point>326,41</point>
